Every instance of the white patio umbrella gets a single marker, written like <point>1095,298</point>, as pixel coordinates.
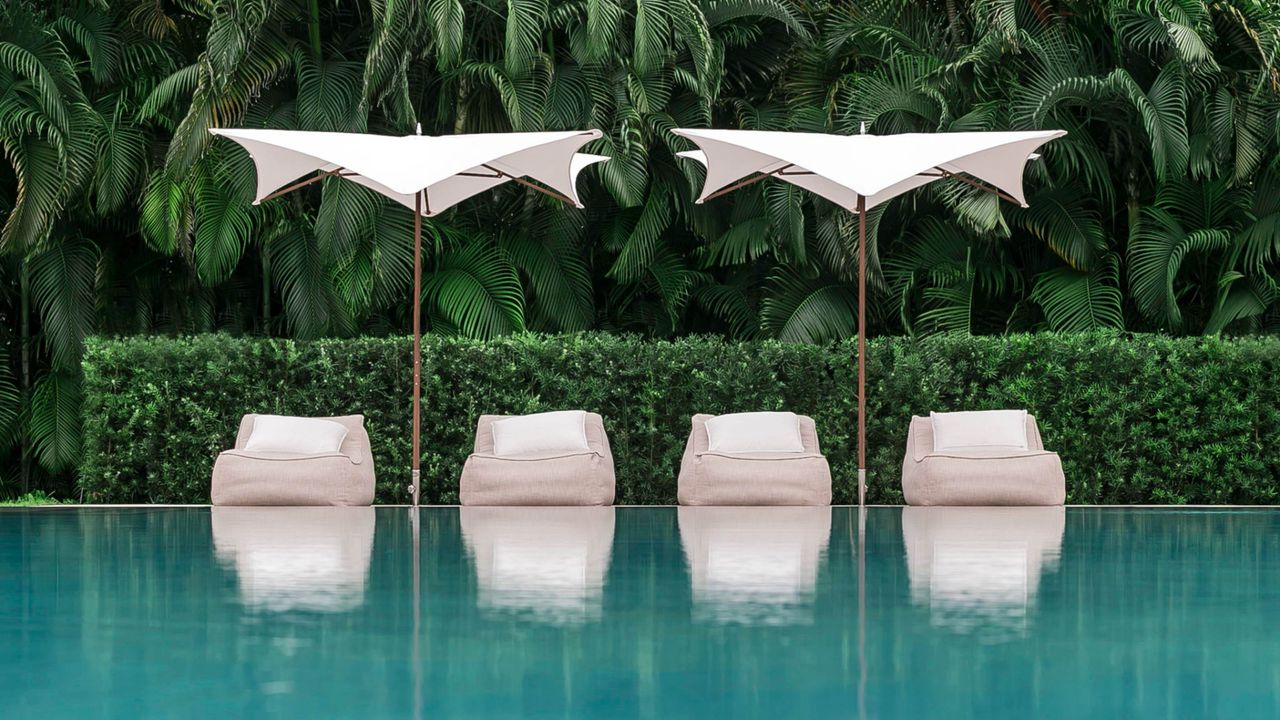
<point>858,172</point>
<point>426,173</point>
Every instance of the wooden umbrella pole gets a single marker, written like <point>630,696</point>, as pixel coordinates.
<point>416,473</point>
<point>862,350</point>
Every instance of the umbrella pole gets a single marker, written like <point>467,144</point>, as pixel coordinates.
<point>862,351</point>
<point>415,472</point>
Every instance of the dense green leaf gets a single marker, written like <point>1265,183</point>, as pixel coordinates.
<point>805,309</point>
<point>55,421</point>
<point>1075,300</point>
<point>475,290</point>
<point>62,286</point>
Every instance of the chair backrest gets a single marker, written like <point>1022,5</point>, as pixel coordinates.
<point>354,446</point>
<point>920,436</point>
<point>808,434</point>
<point>597,439</point>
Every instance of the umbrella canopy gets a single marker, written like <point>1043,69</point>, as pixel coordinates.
<point>446,170</point>
<point>425,173</point>
<point>858,172</point>
<point>873,168</point>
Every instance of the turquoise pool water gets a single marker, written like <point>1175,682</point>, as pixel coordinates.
<point>639,613</point>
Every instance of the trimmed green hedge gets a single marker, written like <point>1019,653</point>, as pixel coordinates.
<point>1137,419</point>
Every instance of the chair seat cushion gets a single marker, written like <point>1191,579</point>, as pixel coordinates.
<point>760,455</point>
<point>286,456</point>
<point>578,479</point>
<point>537,455</point>
<point>777,479</point>
<point>1032,478</point>
<point>243,478</point>
<point>987,453</point>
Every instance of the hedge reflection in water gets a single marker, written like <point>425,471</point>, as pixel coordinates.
<point>639,612</point>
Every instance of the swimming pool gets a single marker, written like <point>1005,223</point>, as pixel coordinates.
<point>639,612</point>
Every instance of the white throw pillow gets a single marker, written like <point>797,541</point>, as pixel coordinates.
<point>548,432</point>
<point>754,432</point>
<point>983,428</point>
<point>295,435</point>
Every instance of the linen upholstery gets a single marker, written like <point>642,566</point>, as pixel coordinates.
<point>753,478</point>
<point>980,476</point>
<point>540,478</point>
<point>243,477</point>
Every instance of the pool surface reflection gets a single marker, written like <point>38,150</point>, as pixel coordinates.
<point>639,612</point>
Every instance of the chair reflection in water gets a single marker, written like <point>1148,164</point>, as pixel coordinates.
<point>545,564</point>
<point>978,569</point>
<point>303,559</point>
<point>754,565</point>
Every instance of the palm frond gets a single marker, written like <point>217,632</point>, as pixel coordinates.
<point>477,291</point>
<point>10,405</point>
<point>62,284</point>
<point>1157,247</point>
<point>1079,301</point>
<point>808,309</point>
<point>54,421</point>
<point>223,227</point>
<point>40,171</point>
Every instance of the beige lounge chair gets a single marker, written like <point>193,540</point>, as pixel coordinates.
<point>576,477</point>
<point>753,478</point>
<point>980,475</point>
<point>242,477</point>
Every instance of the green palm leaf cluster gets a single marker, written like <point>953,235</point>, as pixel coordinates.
<point>1160,211</point>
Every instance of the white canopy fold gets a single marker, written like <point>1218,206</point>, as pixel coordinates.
<point>841,168</point>
<point>447,169</point>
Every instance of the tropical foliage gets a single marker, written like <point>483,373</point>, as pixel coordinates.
<point>1159,211</point>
